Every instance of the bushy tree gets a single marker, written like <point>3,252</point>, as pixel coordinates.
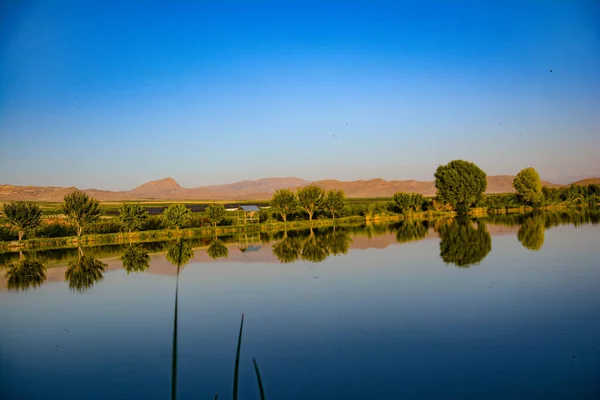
<point>22,216</point>
<point>81,210</point>
<point>460,183</point>
<point>284,202</point>
<point>216,213</point>
<point>311,199</point>
<point>407,202</point>
<point>177,216</point>
<point>334,202</point>
<point>528,185</point>
<point>132,216</point>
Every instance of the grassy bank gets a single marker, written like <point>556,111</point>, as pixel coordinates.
<point>170,234</point>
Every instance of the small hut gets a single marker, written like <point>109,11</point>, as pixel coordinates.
<point>248,214</point>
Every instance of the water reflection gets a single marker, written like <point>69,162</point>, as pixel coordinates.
<point>531,232</point>
<point>410,231</point>
<point>25,273</point>
<point>135,259</point>
<point>288,249</point>
<point>464,242</point>
<point>217,249</point>
<point>179,253</point>
<point>84,272</point>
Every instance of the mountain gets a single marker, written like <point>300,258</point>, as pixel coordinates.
<point>261,189</point>
<point>587,181</point>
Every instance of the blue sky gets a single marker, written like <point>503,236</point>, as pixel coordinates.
<point>113,94</point>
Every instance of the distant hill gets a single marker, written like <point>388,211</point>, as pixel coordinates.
<point>261,189</point>
<point>587,181</point>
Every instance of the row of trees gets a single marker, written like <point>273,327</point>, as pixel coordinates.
<point>82,210</point>
<point>311,199</point>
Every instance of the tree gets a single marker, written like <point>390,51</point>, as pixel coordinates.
<point>22,216</point>
<point>176,216</point>
<point>284,202</point>
<point>528,185</point>
<point>132,216</point>
<point>407,202</point>
<point>311,198</point>
<point>216,213</point>
<point>81,210</point>
<point>460,183</point>
<point>335,201</point>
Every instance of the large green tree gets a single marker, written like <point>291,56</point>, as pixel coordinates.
<point>22,216</point>
<point>176,216</point>
<point>284,202</point>
<point>81,210</point>
<point>334,202</point>
<point>460,183</point>
<point>132,216</point>
<point>528,185</point>
<point>216,213</point>
<point>311,199</point>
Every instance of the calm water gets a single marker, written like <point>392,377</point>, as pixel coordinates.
<point>502,308</point>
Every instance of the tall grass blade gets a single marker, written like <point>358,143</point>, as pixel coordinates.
<point>174,359</point>
<point>260,385</point>
<point>236,370</point>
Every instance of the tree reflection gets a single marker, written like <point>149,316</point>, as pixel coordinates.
<point>531,232</point>
<point>288,249</point>
<point>462,244</point>
<point>83,273</point>
<point>179,254</point>
<point>135,259</point>
<point>217,249</point>
<point>313,250</point>
<point>410,231</point>
<point>25,274</point>
<point>337,241</point>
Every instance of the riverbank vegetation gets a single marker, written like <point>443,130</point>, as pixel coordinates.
<point>460,189</point>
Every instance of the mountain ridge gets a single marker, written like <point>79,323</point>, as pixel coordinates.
<point>259,189</point>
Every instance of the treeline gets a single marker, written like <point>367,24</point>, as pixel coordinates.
<point>460,186</point>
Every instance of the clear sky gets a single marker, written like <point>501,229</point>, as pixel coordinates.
<point>112,94</point>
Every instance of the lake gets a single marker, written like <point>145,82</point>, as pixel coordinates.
<point>503,307</point>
